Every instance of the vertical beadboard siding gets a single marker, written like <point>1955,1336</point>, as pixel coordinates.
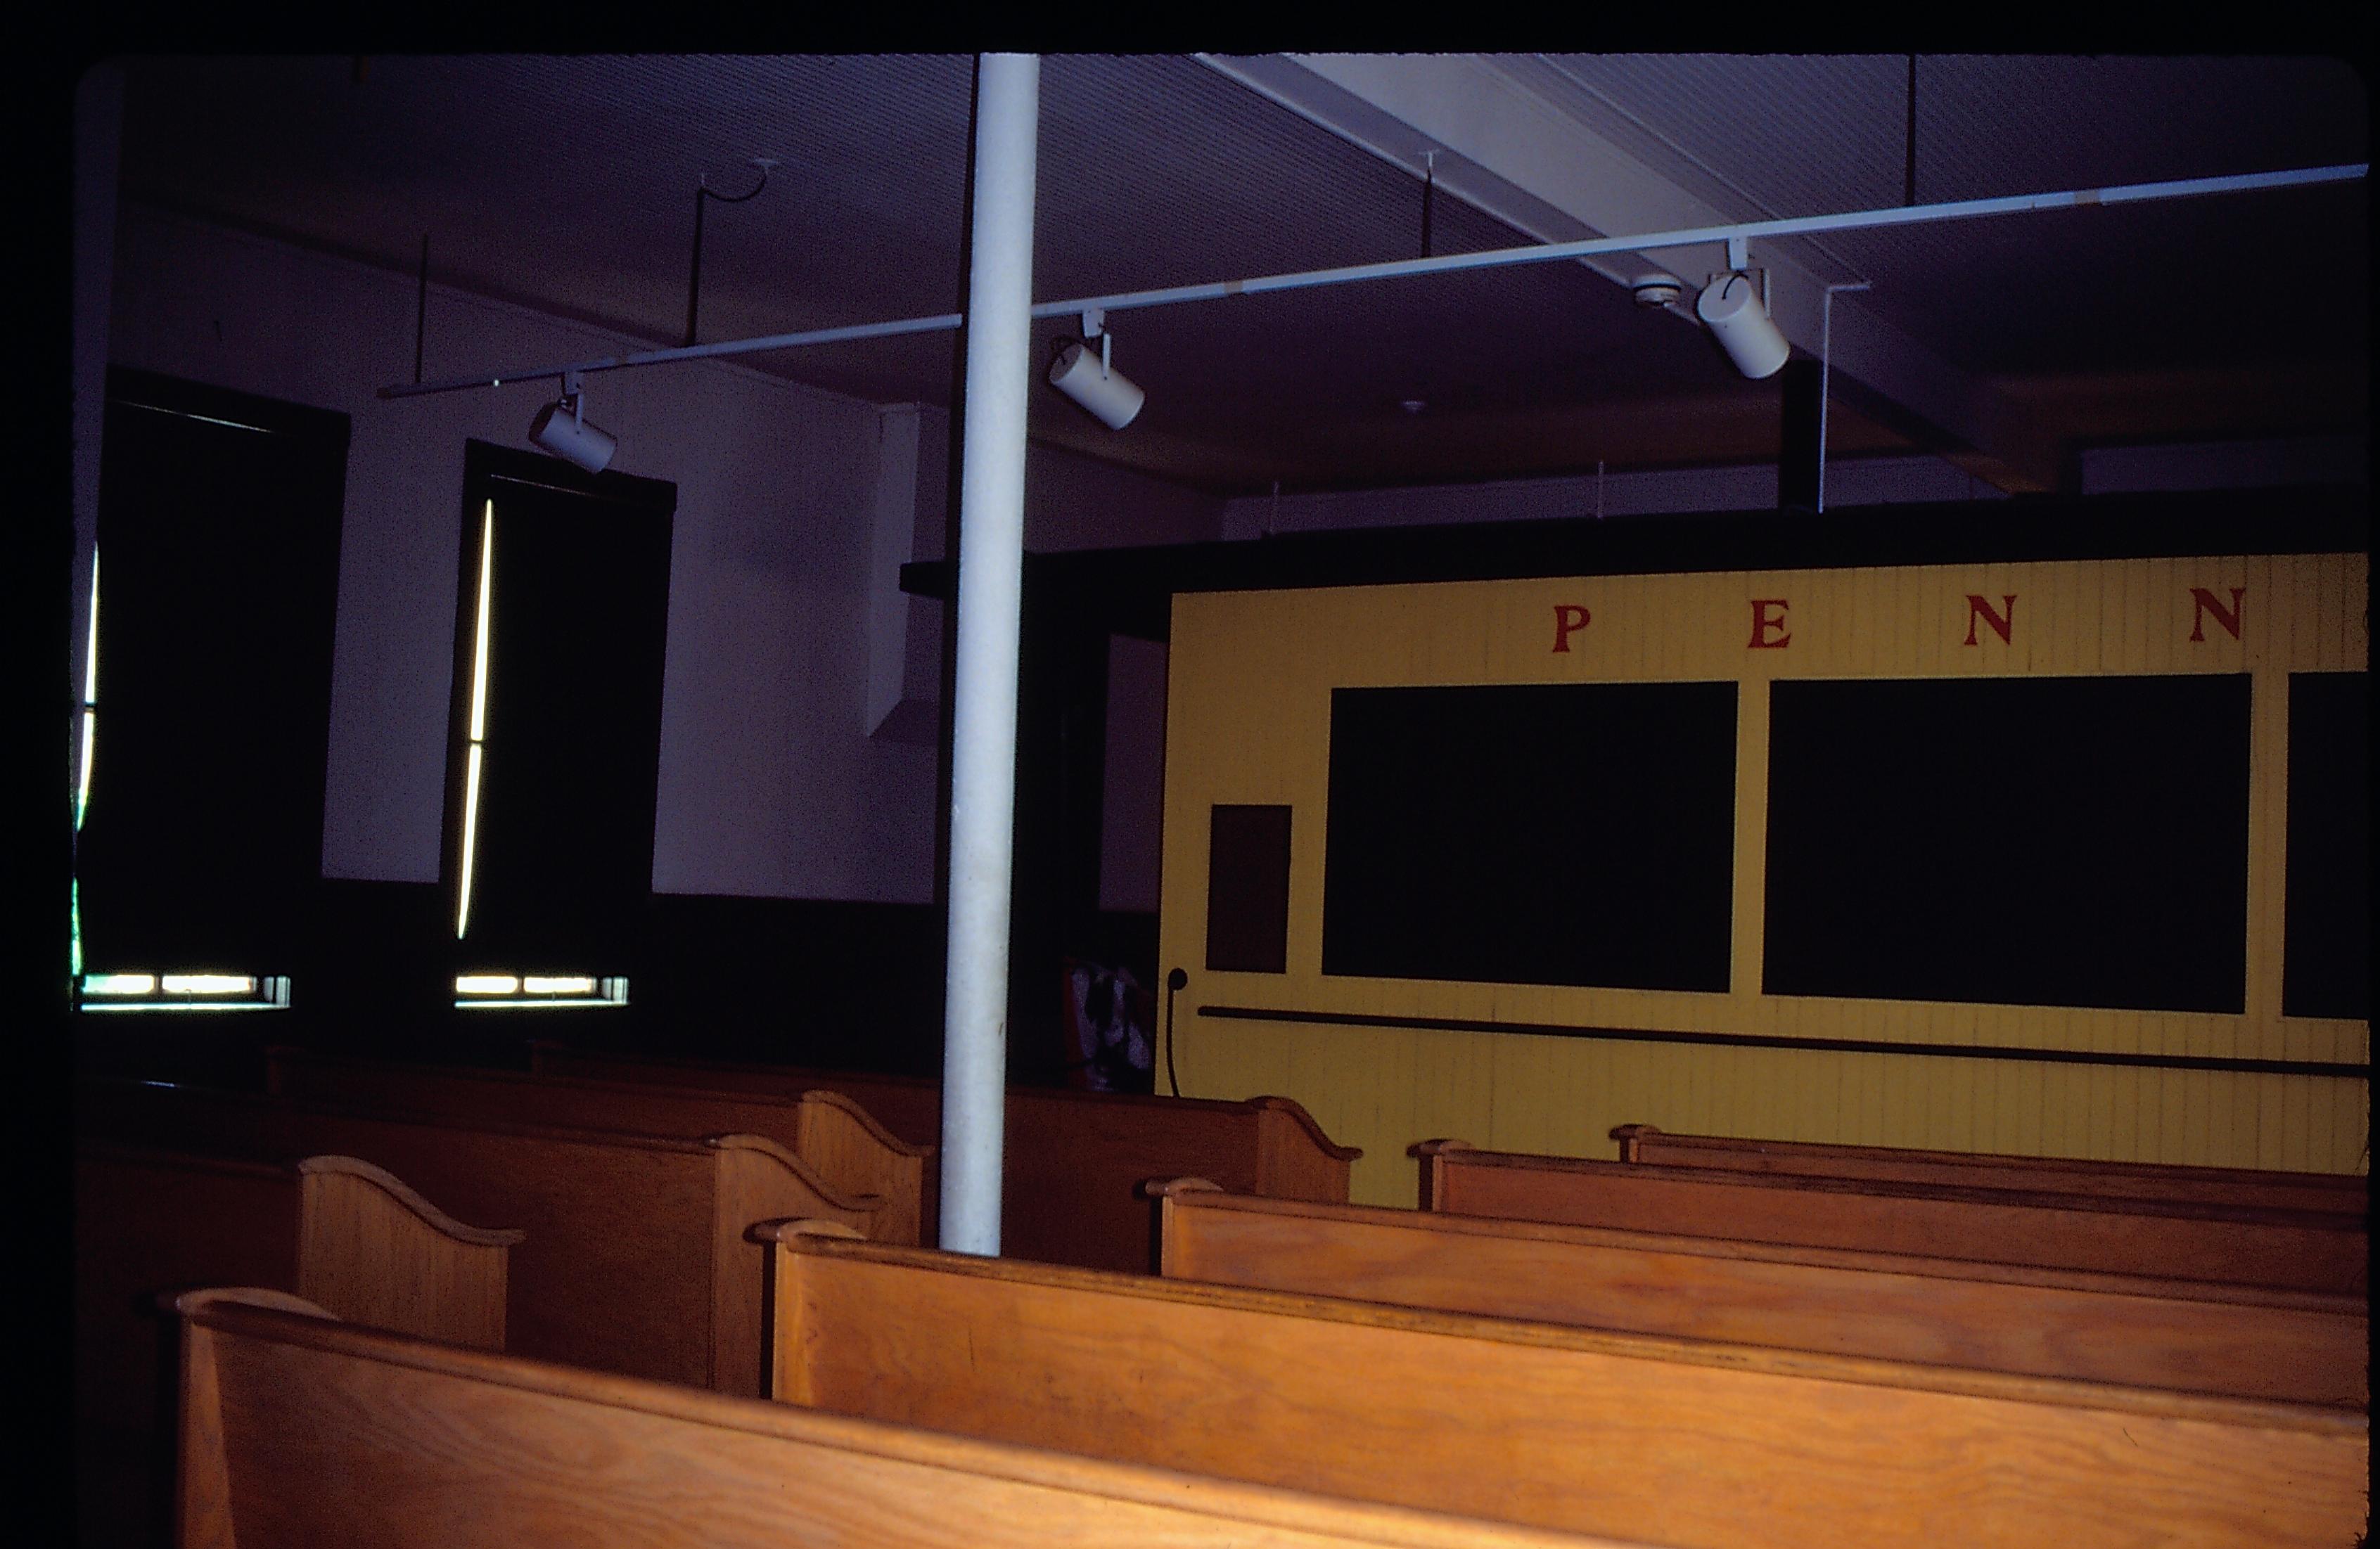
<point>1248,720</point>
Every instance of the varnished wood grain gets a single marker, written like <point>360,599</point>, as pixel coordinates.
<point>1073,1162</point>
<point>848,1153</point>
<point>2340,1193</point>
<point>631,1259</point>
<point>2292,1249</point>
<point>306,1433</point>
<point>150,1222</point>
<point>355,1219</point>
<point>1677,1442</point>
<point>2194,1337</point>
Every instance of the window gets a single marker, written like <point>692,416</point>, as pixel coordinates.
<point>198,800</point>
<point>2014,841</point>
<point>1531,834</point>
<point>2326,960</point>
<point>561,622</point>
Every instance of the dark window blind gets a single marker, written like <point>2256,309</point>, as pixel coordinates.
<point>2032,841</point>
<point>1537,833</point>
<point>219,520</point>
<point>2325,953</point>
<point>563,847</point>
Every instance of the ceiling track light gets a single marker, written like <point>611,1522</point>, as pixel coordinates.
<point>1736,312</point>
<point>1656,289</point>
<point>561,428</point>
<point>1110,398</point>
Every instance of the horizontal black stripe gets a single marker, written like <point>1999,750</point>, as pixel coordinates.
<point>1849,1045</point>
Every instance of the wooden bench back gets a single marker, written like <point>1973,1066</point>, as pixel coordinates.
<point>833,1135</point>
<point>2291,1249</point>
<point>2340,1193</point>
<point>336,1229</point>
<point>1678,1442</point>
<point>636,1260</point>
<point>300,1432</point>
<point>1074,1161</point>
<point>2244,1341</point>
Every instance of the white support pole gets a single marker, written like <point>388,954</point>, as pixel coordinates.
<point>991,574</point>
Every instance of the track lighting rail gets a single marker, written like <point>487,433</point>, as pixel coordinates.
<point>1547,252</point>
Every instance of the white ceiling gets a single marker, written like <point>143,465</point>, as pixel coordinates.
<point>569,183</point>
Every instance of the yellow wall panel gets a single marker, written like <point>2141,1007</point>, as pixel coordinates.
<point>1247,722</point>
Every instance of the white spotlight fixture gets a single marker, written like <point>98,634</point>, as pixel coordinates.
<point>1112,397</point>
<point>1730,305</point>
<point>561,428</point>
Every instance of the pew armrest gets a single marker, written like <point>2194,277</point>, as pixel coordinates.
<point>794,1228</point>
<point>1628,1135</point>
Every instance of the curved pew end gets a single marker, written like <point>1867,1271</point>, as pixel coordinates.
<point>406,1195</point>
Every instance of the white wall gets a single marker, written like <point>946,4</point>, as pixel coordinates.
<point>769,783</point>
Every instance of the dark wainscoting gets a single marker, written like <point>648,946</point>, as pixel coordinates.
<point>789,981</point>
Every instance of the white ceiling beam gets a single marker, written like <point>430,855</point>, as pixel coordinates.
<point>1505,145</point>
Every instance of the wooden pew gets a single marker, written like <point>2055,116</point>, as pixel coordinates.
<point>835,1135</point>
<point>1074,1161</point>
<point>2289,1250</point>
<point>2243,1341</point>
<point>636,1260</point>
<point>2340,1193</point>
<point>336,1230</point>
<point>300,1432</point>
<point>1673,1440</point>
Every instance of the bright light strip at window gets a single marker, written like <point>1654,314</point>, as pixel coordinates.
<point>210,984</point>
<point>479,646</point>
<point>90,697</point>
<point>511,991</point>
<point>478,719</point>
<point>184,992</point>
<point>471,831</point>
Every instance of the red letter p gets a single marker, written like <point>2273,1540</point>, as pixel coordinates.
<point>1567,616</point>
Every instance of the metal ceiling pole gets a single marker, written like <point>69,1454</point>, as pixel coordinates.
<point>1497,257</point>
<point>983,724</point>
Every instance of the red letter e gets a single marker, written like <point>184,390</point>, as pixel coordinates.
<point>1762,622</point>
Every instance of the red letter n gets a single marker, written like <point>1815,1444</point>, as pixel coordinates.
<point>1978,609</point>
<point>2203,603</point>
<point>1762,622</point>
<point>1567,616</point>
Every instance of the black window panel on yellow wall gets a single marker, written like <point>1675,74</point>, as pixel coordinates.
<point>219,517</point>
<point>2326,954</point>
<point>563,842</point>
<point>1537,833</point>
<point>2032,841</point>
<point>1247,888</point>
